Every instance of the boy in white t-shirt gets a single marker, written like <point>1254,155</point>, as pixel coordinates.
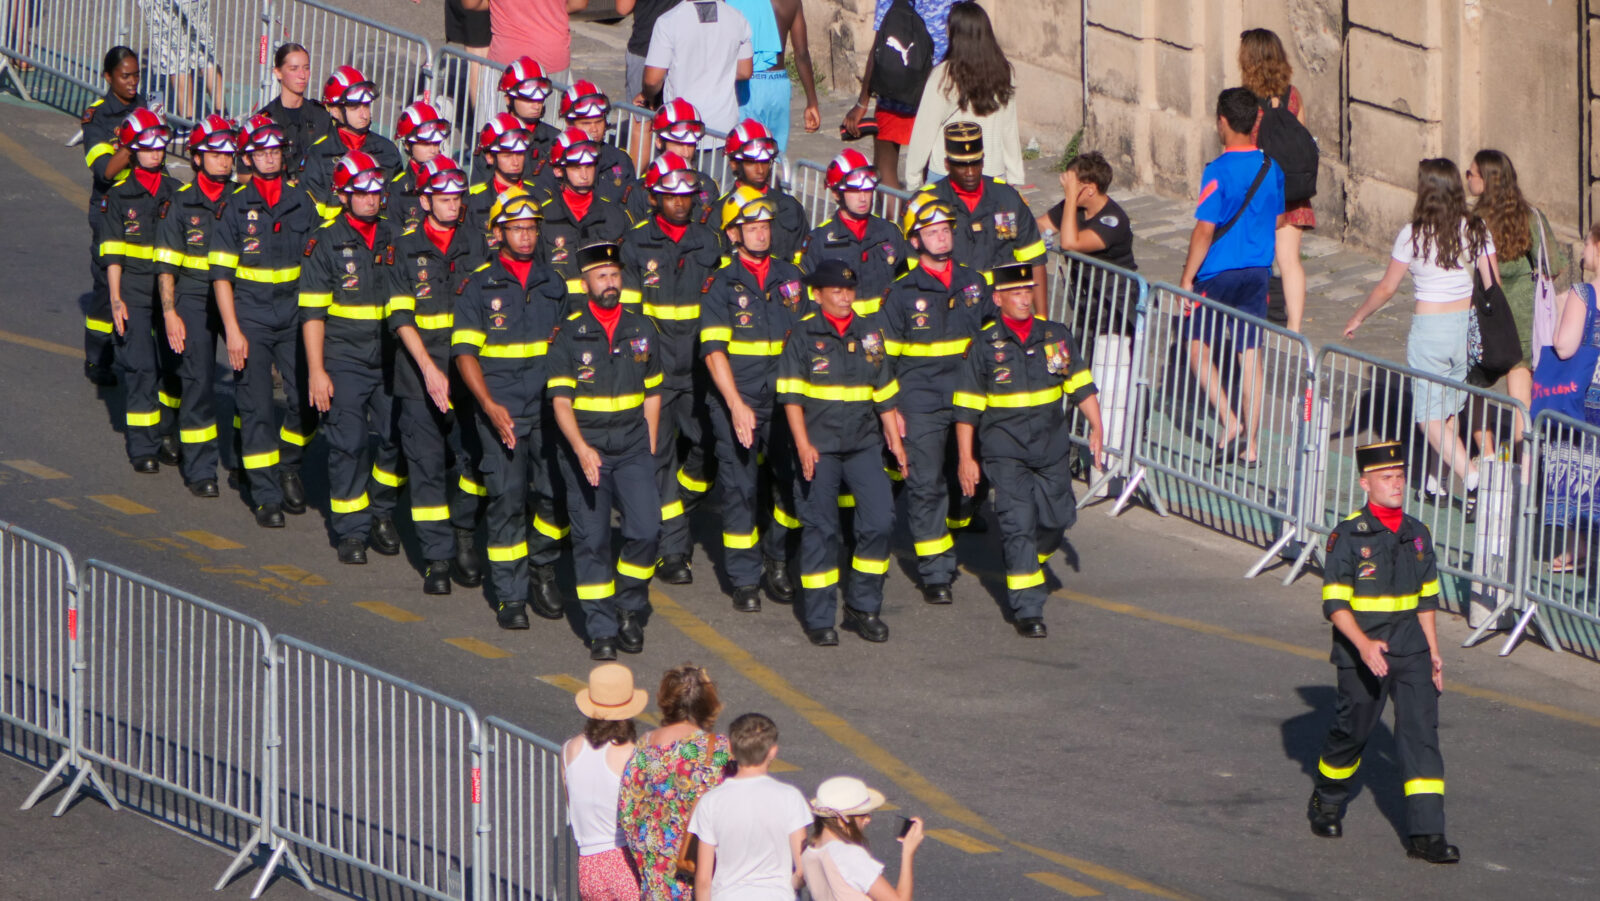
<point>751,826</point>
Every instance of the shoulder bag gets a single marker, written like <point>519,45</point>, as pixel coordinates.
<point>1502,343</point>
<point>1561,386</point>
<point>1545,315</point>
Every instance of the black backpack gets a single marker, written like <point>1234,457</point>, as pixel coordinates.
<point>1291,146</point>
<point>902,55</point>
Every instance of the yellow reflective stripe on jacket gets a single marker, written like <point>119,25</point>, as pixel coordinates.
<point>1384,604</point>
<point>189,262</point>
<point>607,404</point>
<point>518,351</point>
<point>1429,588</point>
<point>314,300</point>
<point>435,321</point>
<point>364,311</point>
<point>1336,592</point>
<point>951,348</point>
<point>753,348</point>
<point>99,150</point>
<point>267,276</point>
<point>123,248</point>
<point>401,302</point>
<point>219,258</point>
<point>977,402</point>
<point>671,312</point>
<point>651,381</point>
<point>1026,398</point>
<point>716,333</point>
<point>824,392</point>
<point>561,381</point>
<point>629,295</point>
<point>468,336</point>
<point>879,395</point>
<point>1031,252</point>
<point>1077,382</point>
<point>575,286</point>
<point>866,306</point>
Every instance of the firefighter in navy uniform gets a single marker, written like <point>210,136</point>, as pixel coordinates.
<point>744,318</point>
<point>1009,402</point>
<point>106,160</point>
<point>667,262</point>
<point>838,391</point>
<point>421,133</point>
<point>348,96</point>
<point>503,144</point>
<point>585,107</point>
<point>131,213</point>
<point>678,129</point>
<point>605,384</point>
<point>994,226</point>
<point>1380,590</point>
<point>505,315</point>
<point>929,318</point>
<point>430,262</point>
<point>344,291</point>
<point>576,214</point>
<point>526,89</point>
<point>257,248</point>
<point>752,151</point>
<point>183,242</point>
<point>871,246</point>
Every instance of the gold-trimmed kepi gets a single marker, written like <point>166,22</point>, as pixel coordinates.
<point>1382,455</point>
<point>595,255</point>
<point>1013,275</point>
<point>963,142</point>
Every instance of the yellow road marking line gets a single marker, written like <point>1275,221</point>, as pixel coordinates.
<point>120,504</point>
<point>295,574</point>
<point>573,685</point>
<point>1061,883</point>
<point>863,747</point>
<point>391,612</point>
<point>39,343</point>
<point>961,841</point>
<point>46,173</point>
<point>213,542</point>
<point>1272,644</point>
<point>782,766</point>
<point>477,646</point>
<point>61,502</point>
<point>36,469</point>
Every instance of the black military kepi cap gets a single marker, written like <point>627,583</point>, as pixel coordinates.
<point>832,274</point>
<point>1382,455</point>
<point>963,142</point>
<point>1013,275</point>
<point>596,255</point>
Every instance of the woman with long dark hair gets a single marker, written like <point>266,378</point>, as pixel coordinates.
<point>1439,247</point>
<point>106,160</point>
<point>975,83</point>
<point>1265,71</point>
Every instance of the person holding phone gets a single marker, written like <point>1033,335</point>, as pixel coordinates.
<point>836,863</point>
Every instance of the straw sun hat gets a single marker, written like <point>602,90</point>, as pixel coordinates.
<point>845,796</point>
<point>611,695</point>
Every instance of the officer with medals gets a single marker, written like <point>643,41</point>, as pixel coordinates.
<point>435,416</point>
<point>839,393</point>
<point>504,318</point>
<point>678,129</point>
<point>994,226</point>
<point>1009,403</point>
<point>1380,590</point>
<point>870,246</point>
<point>605,391</point>
<point>752,153</point>
<point>929,317</point>
<point>752,304</point>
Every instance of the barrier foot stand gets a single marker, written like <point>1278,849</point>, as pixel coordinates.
<point>7,68</point>
<point>56,769</point>
<point>279,852</point>
<point>1542,630</point>
<point>1300,562</point>
<point>1272,553</point>
<point>1089,495</point>
<point>86,774</point>
<point>1490,623</point>
<point>1134,486</point>
<point>251,850</point>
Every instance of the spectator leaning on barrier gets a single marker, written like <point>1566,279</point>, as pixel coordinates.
<point>700,51</point>
<point>751,827</point>
<point>973,84</point>
<point>591,770</point>
<point>1230,262</point>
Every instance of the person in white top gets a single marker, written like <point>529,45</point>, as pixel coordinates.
<point>1439,247</point>
<point>591,768</point>
<point>836,864</point>
<point>974,84</point>
<point>751,826</point>
<point>700,50</point>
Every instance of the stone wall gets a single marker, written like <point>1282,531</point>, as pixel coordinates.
<point>1386,83</point>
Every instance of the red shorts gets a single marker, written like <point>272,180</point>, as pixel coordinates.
<point>893,127</point>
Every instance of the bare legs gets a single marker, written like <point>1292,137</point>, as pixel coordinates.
<point>1293,272</point>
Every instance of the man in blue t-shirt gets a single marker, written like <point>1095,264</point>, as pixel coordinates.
<point>1230,261</point>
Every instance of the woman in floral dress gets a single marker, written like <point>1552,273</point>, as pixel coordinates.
<point>672,768</point>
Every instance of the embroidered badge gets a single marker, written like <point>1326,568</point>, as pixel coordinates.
<point>495,304</point>
<point>1002,376</point>
<point>1366,552</point>
<point>819,364</point>
<point>250,245</point>
<point>921,305</point>
<point>1367,571</point>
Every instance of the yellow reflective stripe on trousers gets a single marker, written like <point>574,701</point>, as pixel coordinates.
<point>438,513</point>
<point>671,511</point>
<point>957,523</point>
<point>261,461</point>
<point>819,580</point>
<point>518,351</point>
<point>933,348</point>
<point>102,326</point>
<point>144,420</point>
<point>870,567</point>
<point>1026,398</point>
<point>608,404</point>
<point>782,518</point>
<point>672,312</point>
<point>267,276</point>
<point>598,592</point>
<point>197,436</point>
<point>172,401</point>
<point>506,553</point>
<point>549,529</point>
<point>353,505</point>
<point>847,500</point>
<point>634,570</point>
<point>740,542</point>
<point>1026,580</point>
<point>935,545</point>
<point>1385,604</point>
<point>384,477</point>
<point>471,487</point>
<point>1424,787</point>
<point>692,483</point>
<point>1337,772</point>
<point>294,438</point>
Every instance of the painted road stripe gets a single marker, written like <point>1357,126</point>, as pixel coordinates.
<point>39,343</point>
<point>61,502</point>
<point>391,612</point>
<point>207,540</point>
<point>48,174</point>
<point>572,685</point>
<point>961,841</point>
<point>478,646</point>
<point>120,504</point>
<point>295,574</point>
<point>36,469</point>
<point>782,766</point>
<point>869,751</point>
<point>1063,884</point>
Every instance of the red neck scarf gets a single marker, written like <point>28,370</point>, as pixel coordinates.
<point>367,230</point>
<point>417,169</point>
<point>757,269</point>
<point>971,200</point>
<point>841,323</point>
<point>518,268</point>
<point>608,318</point>
<point>858,227</point>
<point>150,179</point>
<point>1022,328</point>
<point>675,232</point>
<point>270,189</point>
<point>208,186</point>
<point>352,140</point>
<point>501,185</point>
<point>943,275</point>
<point>577,203</point>
<point>1391,517</point>
<point>440,237</point>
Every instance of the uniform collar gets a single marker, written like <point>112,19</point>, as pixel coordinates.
<point>537,274</point>
<point>817,324</point>
<point>995,331</point>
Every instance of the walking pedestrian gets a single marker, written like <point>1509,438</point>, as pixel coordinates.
<point>1265,71</point>
<point>766,96</point>
<point>592,764</point>
<point>700,51</point>
<point>301,119</point>
<point>975,83</point>
<point>106,159</point>
<point>751,827</point>
<point>899,89</point>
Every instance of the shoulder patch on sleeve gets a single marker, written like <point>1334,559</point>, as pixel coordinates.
<point>706,288</point>
<point>310,246</point>
<point>1333,539</point>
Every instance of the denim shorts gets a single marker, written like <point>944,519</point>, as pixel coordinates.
<point>1437,345</point>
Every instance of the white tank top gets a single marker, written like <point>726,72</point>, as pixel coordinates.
<point>592,790</point>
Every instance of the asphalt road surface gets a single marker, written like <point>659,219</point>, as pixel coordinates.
<point>1158,744</point>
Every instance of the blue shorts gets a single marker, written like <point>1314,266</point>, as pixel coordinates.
<point>765,98</point>
<point>1244,290</point>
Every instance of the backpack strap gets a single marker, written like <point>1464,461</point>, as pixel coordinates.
<point>1261,175</point>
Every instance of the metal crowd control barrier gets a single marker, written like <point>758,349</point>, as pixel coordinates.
<point>1361,398</point>
<point>528,851</point>
<point>1104,306</point>
<point>375,772</point>
<point>201,56</point>
<point>1204,371</point>
<point>175,693</point>
<point>38,642</point>
<point>65,38</point>
<point>1560,554</point>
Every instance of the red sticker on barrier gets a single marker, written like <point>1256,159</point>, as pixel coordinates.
<point>1308,405</point>
<point>262,53</point>
<point>427,94</point>
<point>72,625</point>
<point>477,785</point>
